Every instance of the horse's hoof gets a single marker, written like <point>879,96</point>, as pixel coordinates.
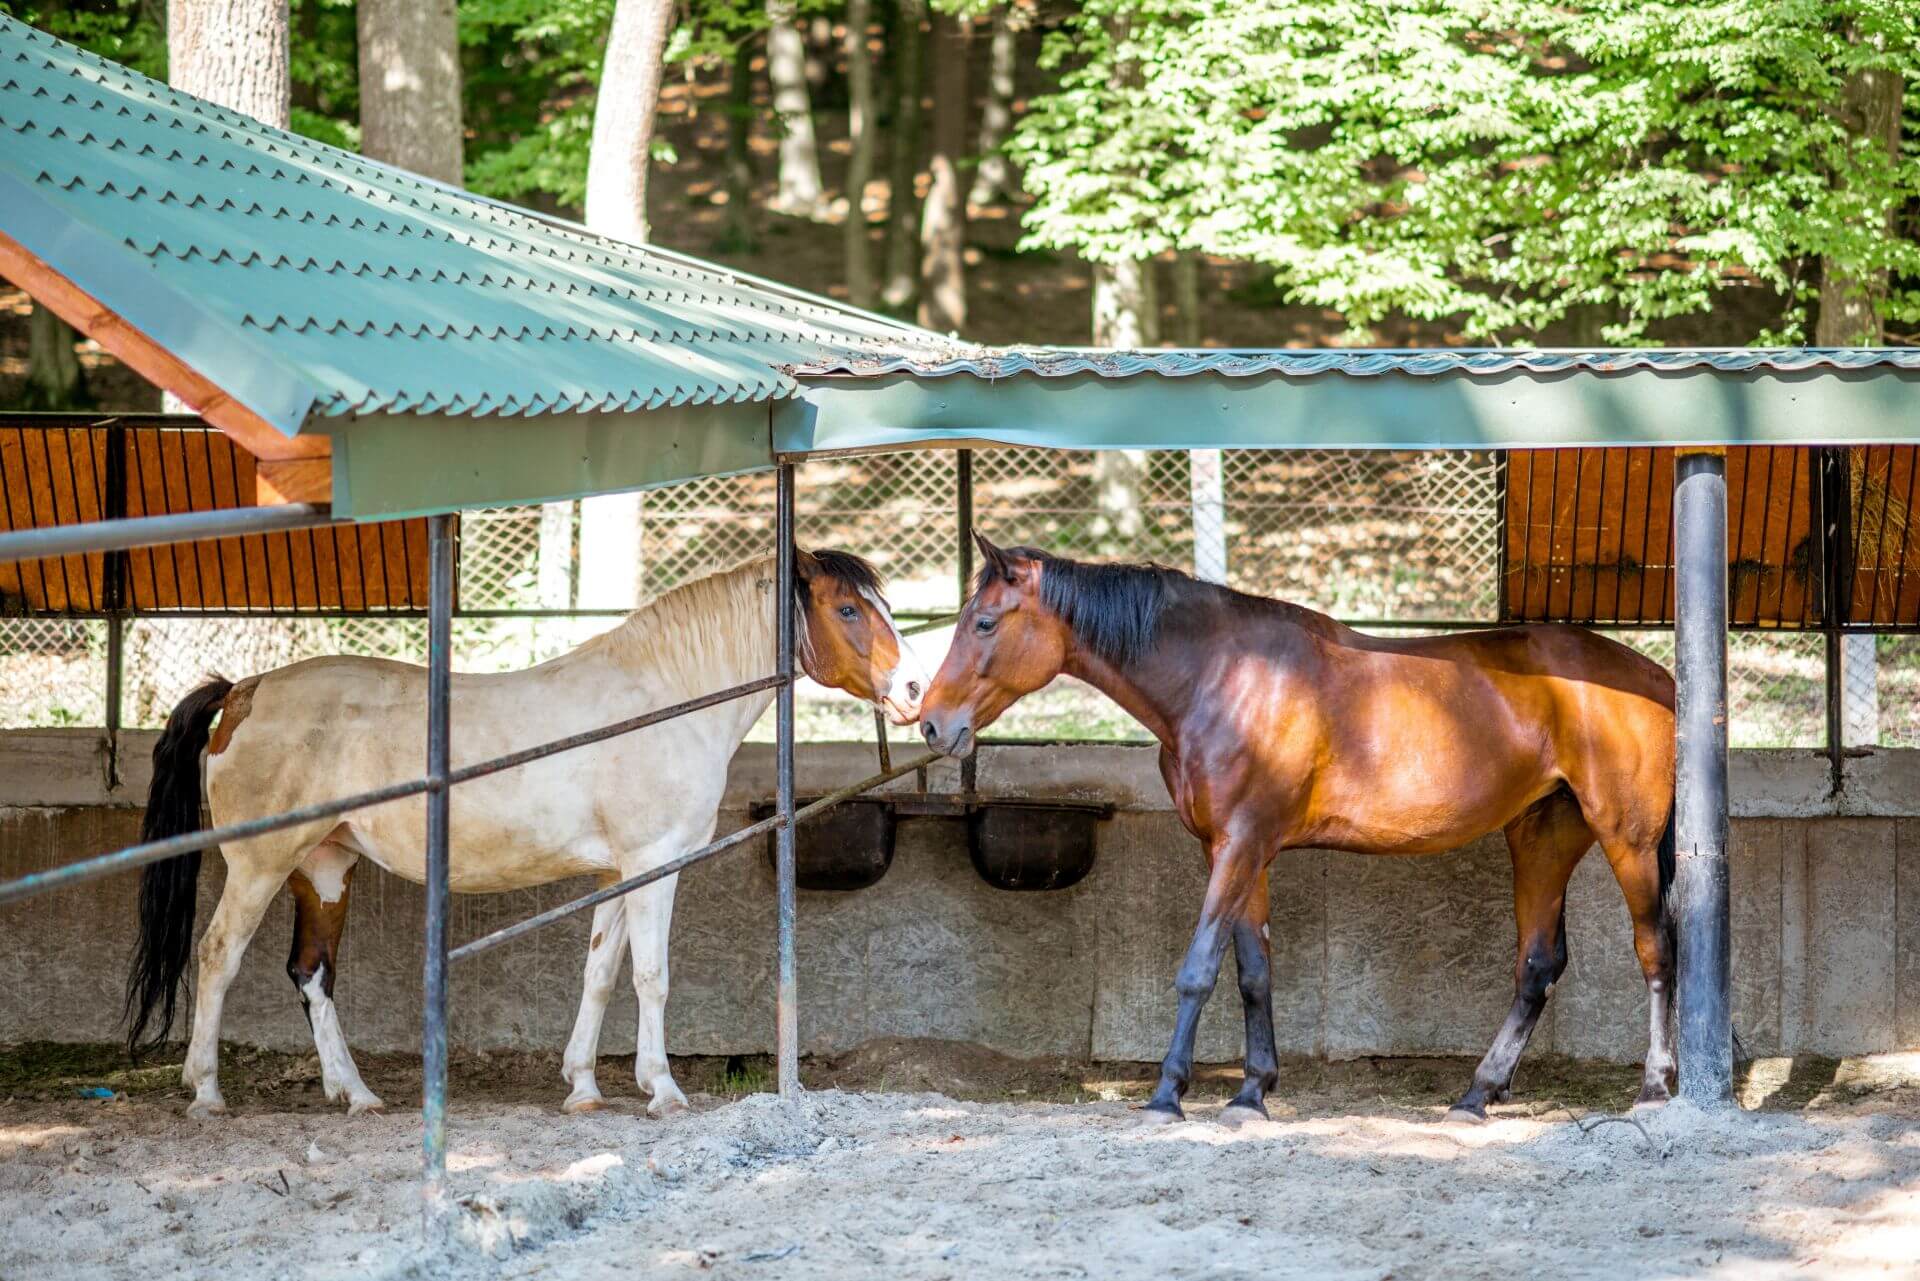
<point>1235,1115</point>
<point>591,1103</point>
<point>207,1109</point>
<point>666,1105</point>
<point>1460,1114</point>
<point>1153,1116</point>
<point>1651,1102</point>
<point>370,1104</point>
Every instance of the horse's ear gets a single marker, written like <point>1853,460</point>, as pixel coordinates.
<point>997,561</point>
<point>806,566</point>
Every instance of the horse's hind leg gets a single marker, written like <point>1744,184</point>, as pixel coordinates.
<point>1547,842</point>
<point>1253,954</point>
<point>321,886</point>
<point>604,953</point>
<point>1637,866</point>
<point>255,873</point>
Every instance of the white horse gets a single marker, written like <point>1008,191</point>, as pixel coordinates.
<point>331,727</point>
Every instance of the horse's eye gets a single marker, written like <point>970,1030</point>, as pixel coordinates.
<point>849,613</point>
<point>984,625</point>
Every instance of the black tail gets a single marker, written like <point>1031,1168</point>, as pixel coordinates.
<point>168,889</point>
<point>1666,856</point>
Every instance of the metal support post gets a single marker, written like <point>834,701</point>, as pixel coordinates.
<point>963,506</point>
<point>433,1019</point>
<point>1700,785</point>
<point>786,1015</point>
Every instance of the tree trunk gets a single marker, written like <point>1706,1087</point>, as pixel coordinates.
<point>943,220</point>
<point>909,57</point>
<point>1188,307</point>
<point>740,237</point>
<point>1850,305</point>
<point>232,52</point>
<point>860,162</point>
<point>623,119</point>
<point>410,86</point>
<point>1120,300</point>
<point>54,377</point>
<point>617,206</point>
<point>800,188</point>
<point>993,181</point>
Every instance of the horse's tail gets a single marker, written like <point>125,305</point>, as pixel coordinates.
<point>169,888</point>
<point>1668,923</point>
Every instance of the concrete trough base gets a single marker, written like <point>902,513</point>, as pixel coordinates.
<point>1372,956</point>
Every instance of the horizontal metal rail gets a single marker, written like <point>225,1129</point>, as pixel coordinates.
<point>173,846</point>
<point>508,933</point>
<point>152,531</point>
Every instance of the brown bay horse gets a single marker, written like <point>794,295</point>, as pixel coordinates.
<point>1280,728</point>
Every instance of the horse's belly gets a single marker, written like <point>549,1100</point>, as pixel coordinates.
<point>1417,806</point>
<point>484,861</point>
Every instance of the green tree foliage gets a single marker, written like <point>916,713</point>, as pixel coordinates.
<point>1498,163</point>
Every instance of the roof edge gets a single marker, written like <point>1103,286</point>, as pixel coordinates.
<point>159,331</point>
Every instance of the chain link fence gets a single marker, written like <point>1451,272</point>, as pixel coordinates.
<point>1388,540</point>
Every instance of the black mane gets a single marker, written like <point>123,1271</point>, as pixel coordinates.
<point>856,572</point>
<point>1114,610</point>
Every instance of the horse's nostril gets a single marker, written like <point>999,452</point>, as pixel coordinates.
<point>930,730</point>
<point>913,689</point>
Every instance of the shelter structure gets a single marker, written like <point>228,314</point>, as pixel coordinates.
<point>378,345</point>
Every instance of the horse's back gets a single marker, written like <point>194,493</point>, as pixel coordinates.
<point>330,727</point>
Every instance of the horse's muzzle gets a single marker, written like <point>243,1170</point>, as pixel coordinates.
<point>950,740</point>
<point>903,710</point>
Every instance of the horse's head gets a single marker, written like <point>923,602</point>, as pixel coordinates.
<point>846,637</point>
<point>1006,644</point>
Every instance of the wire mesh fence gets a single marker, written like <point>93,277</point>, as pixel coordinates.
<point>1387,540</point>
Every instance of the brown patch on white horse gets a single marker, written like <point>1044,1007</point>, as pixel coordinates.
<point>233,711</point>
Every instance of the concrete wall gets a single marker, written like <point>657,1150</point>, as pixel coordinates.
<point>1371,955</point>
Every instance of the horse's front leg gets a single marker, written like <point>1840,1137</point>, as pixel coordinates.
<point>1236,870</point>
<point>649,925</point>
<point>604,950</point>
<point>1253,955</point>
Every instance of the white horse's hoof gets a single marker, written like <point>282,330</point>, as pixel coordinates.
<point>666,1103</point>
<point>578,1103</point>
<point>371,1103</point>
<point>207,1109</point>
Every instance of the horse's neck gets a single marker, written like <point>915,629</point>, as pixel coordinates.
<point>699,638</point>
<point>1160,687</point>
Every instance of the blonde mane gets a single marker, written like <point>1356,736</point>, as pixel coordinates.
<point>713,629</point>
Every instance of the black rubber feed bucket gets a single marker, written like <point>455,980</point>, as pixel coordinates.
<point>1032,847</point>
<point>850,847</point>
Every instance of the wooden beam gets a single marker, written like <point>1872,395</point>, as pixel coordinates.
<point>293,480</point>
<point>150,360</point>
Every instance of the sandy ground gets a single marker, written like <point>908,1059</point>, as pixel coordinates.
<point>1355,1177</point>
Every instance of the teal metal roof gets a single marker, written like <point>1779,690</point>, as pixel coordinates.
<point>1354,399</point>
<point>311,284</point>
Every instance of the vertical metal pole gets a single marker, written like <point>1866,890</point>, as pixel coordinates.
<point>113,598</point>
<point>786,1015</point>
<point>1834,531</point>
<point>1700,784</point>
<point>433,1019</point>
<point>963,511</point>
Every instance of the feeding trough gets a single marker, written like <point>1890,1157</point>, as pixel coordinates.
<point>850,847</point>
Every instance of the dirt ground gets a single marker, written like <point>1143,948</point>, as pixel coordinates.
<point>926,1160</point>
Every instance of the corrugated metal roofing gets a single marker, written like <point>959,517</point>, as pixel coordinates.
<point>1056,362</point>
<point>306,280</point>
